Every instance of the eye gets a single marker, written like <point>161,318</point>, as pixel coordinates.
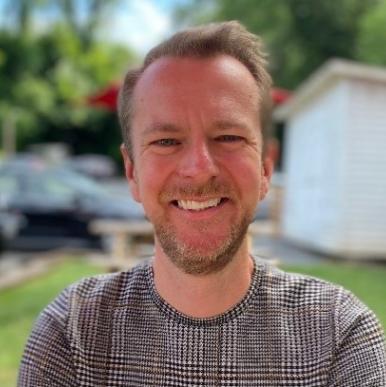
<point>166,142</point>
<point>229,138</point>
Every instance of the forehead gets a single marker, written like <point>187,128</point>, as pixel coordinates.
<point>180,78</point>
<point>217,65</point>
<point>191,93</point>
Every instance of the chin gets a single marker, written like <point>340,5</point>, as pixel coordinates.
<point>200,256</point>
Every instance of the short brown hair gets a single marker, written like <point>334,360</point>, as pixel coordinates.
<point>229,38</point>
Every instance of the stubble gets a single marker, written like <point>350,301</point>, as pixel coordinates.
<point>203,258</point>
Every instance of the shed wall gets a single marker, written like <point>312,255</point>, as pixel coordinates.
<point>364,205</point>
<point>314,166</point>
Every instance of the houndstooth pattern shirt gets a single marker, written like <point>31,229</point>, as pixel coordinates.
<point>289,330</point>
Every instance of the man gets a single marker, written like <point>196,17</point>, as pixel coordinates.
<point>203,312</point>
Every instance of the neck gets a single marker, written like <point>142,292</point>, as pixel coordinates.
<point>207,295</point>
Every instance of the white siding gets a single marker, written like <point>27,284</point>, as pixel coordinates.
<point>313,160</point>
<point>335,159</point>
<point>364,193</point>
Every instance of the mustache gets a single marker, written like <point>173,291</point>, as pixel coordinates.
<point>212,188</point>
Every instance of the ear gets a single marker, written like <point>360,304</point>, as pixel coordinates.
<point>130,173</point>
<point>270,156</point>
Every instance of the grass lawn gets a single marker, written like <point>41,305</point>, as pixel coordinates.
<point>20,306</point>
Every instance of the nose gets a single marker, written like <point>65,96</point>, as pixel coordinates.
<point>198,162</point>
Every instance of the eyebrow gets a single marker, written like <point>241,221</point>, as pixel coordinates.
<point>225,124</point>
<point>162,128</point>
<point>172,128</point>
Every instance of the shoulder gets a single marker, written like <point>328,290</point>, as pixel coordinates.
<point>97,293</point>
<point>296,290</point>
<point>304,297</point>
<point>112,289</point>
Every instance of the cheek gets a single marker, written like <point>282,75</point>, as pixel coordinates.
<point>152,179</point>
<point>252,186</point>
<point>248,173</point>
<point>247,183</point>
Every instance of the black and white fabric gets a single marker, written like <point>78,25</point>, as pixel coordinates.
<point>289,330</point>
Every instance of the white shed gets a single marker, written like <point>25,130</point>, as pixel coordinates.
<point>335,161</point>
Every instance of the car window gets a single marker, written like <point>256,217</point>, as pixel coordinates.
<point>80,183</point>
<point>8,185</point>
<point>52,186</point>
<point>53,183</point>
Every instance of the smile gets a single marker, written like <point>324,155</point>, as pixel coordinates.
<point>194,205</point>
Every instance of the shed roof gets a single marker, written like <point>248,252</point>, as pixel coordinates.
<point>326,75</point>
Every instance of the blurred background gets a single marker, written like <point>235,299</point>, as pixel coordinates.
<point>65,209</point>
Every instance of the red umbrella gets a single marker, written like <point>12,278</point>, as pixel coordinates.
<point>106,98</point>
<point>280,96</point>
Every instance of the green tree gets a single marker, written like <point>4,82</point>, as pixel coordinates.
<point>95,10</point>
<point>46,78</point>
<point>299,34</point>
<point>372,35</point>
<point>21,13</point>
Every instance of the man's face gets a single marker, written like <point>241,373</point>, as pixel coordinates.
<point>197,163</point>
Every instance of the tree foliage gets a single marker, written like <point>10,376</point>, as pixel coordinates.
<point>302,34</point>
<point>46,78</point>
<point>372,37</point>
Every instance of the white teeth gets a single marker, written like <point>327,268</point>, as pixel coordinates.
<point>197,206</point>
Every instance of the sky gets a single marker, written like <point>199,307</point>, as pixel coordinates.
<point>138,23</point>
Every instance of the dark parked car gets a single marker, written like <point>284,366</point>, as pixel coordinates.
<point>58,204</point>
<point>10,223</point>
<point>96,166</point>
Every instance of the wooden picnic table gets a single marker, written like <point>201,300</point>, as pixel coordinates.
<point>124,235</point>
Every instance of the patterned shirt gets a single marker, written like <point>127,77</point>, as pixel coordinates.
<point>289,330</point>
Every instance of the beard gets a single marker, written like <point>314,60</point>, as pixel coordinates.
<point>208,255</point>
